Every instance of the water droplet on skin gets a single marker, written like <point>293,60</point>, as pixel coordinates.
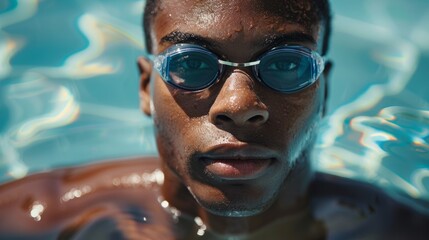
<point>251,24</point>
<point>202,227</point>
<point>200,232</point>
<point>36,211</point>
<point>165,204</point>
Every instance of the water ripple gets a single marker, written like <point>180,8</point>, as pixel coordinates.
<point>50,106</point>
<point>390,147</point>
<point>100,32</point>
<point>23,10</point>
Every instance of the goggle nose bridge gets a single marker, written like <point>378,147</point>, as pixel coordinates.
<point>234,64</point>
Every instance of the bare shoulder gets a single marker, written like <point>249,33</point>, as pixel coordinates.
<point>53,183</point>
<point>66,203</point>
<point>353,210</point>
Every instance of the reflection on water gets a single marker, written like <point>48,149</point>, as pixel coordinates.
<point>99,33</point>
<point>12,12</point>
<point>390,149</point>
<point>48,119</point>
<point>51,106</point>
<point>36,105</point>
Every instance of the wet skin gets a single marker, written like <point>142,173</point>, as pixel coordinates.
<point>122,202</point>
<point>203,137</point>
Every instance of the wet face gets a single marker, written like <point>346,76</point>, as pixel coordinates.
<point>236,144</point>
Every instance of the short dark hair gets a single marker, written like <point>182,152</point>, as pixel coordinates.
<point>323,14</point>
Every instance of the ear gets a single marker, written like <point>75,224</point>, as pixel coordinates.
<point>145,69</point>
<point>326,75</point>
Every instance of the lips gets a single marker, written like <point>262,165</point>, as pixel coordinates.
<point>237,161</point>
<point>237,168</point>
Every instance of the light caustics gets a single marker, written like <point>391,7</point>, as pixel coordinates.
<point>82,64</point>
<point>394,142</point>
<point>8,48</point>
<point>8,45</point>
<point>90,62</point>
<point>414,133</point>
<point>30,119</point>
<point>399,55</point>
<point>50,105</point>
<point>395,134</point>
<point>65,111</point>
<point>37,105</point>
<point>401,65</point>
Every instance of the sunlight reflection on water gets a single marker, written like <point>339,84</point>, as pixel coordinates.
<point>389,148</point>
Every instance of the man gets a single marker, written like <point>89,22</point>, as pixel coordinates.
<point>236,90</point>
<point>235,144</point>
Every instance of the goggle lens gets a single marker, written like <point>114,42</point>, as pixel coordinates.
<point>285,69</point>
<point>192,70</point>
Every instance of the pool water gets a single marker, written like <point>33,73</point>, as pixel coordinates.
<point>69,90</point>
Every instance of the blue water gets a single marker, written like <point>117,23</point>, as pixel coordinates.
<point>69,90</point>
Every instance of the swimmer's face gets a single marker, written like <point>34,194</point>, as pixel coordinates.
<point>236,144</point>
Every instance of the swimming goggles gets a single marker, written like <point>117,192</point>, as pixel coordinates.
<point>286,69</point>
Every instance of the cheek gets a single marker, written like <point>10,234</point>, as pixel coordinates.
<point>175,127</point>
<point>309,118</point>
<point>297,117</point>
<point>308,105</point>
<point>169,122</point>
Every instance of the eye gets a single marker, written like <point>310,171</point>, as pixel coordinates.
<point>192,63</point>
<point>282,66</point>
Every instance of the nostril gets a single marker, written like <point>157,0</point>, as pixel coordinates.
<point>256,119</point>
<point>223,118</point>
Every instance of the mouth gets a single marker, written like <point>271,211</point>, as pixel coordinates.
<point>237,162</point>
<point>238,168</point>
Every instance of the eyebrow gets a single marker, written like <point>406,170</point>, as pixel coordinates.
<point>270,40</point>
<point>292,37</point>
<point>176,37</point>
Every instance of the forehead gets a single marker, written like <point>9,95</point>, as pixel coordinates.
<point>248,20</point>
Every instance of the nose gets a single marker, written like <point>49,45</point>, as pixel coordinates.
<point>237,104</point>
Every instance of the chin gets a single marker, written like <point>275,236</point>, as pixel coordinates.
<point>238,198</point>
<point>242,207</point>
